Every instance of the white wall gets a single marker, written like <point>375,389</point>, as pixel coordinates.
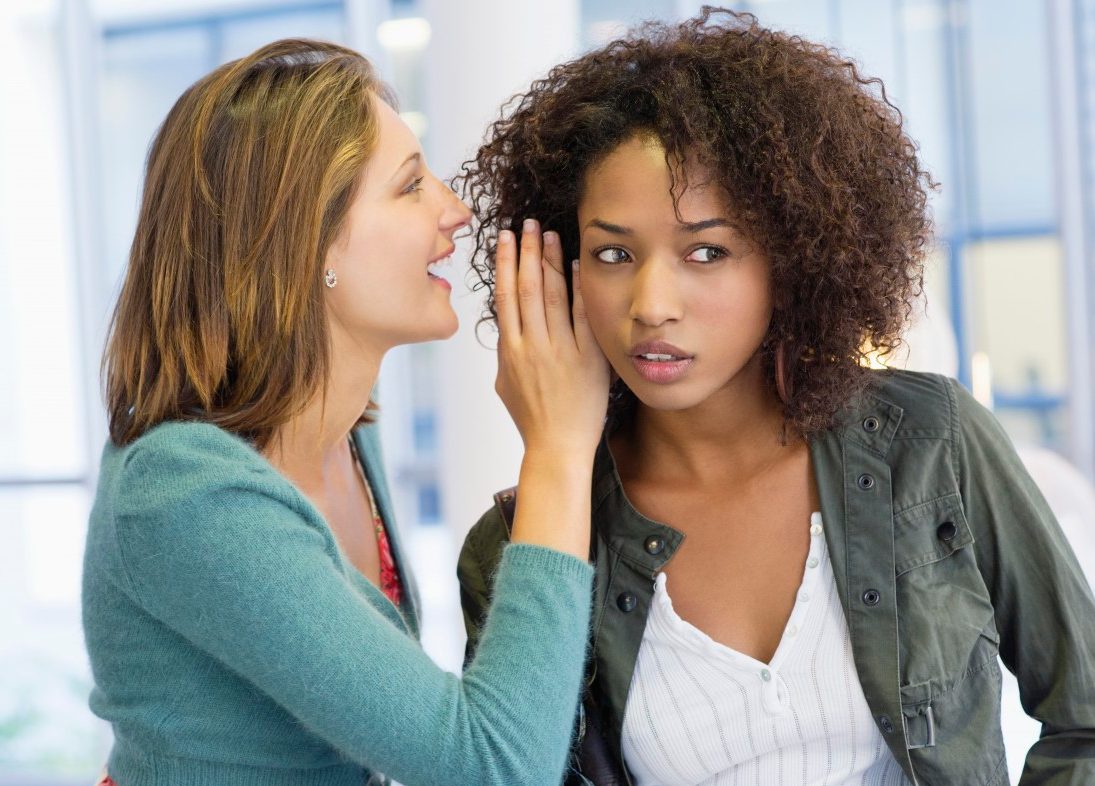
<point>480,449</point>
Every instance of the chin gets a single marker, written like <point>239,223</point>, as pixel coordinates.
<point>665,398</point>
<point>446,329</point>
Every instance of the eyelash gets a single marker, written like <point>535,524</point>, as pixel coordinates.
<point>722,254</point>
<point>416,185</point>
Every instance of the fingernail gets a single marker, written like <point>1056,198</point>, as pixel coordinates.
<point>551,238</point>
<point>505,237</point>
<point>530,225</point>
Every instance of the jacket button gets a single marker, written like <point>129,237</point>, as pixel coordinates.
<point>654,545</point>
<point>871,424</point>
<point>946,532</point>
<point>872,597</point>
<point>865,482</point>
<point>886,724</point>
<point>626,602</point>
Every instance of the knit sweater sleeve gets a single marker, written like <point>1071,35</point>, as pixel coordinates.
<point>239,569</point>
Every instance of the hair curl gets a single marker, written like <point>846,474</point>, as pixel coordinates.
<point>810,152</point>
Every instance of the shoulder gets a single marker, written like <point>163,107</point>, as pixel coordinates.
<point>927,402</point>
<point>944,429</point>
<point>930,405</point>
<point>933,404</point>
<point>188,445</point>
<point>183,451</point>
<point>188,466</point>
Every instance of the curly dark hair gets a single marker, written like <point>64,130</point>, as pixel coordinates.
<point>810,153</point>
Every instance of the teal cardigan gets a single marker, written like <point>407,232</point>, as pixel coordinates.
<point>232,642</point>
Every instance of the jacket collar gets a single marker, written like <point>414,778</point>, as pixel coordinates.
<point>642,542</point>
<point>871,425</point>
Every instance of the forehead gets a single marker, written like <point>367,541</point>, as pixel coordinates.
<point>636,178</point>
<point>395,142</point>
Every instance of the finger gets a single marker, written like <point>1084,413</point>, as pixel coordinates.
<point>583,333</point>
<point>530,282</point>
<point>505,285</point>
<point>556,308</point>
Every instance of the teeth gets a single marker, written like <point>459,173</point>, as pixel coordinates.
<point>434,267</point>
<point>659,358</point>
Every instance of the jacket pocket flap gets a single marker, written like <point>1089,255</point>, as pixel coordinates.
<point>929,532</point>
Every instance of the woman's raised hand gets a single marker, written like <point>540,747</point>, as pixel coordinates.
<point>552,376</point>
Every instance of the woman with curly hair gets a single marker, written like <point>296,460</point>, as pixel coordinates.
<point>806,569</point>
<point>249,614</point>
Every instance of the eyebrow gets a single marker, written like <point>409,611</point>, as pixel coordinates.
<point>691,228</point>
<point>407,160</point>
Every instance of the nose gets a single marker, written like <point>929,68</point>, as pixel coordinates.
<point>655,294</point>
<point>455,215</point>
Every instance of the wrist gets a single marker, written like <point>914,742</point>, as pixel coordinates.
<point>561,457</point>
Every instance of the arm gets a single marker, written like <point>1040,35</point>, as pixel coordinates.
<point>479,558</point>
<point>246,577</point>
<point>1044,609</point>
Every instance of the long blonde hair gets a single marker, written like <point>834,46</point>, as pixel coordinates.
<point>248,182</point>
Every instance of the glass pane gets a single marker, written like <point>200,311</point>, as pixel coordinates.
<point>603,20</point>
<point>245,35</point>
<point>867,30</point>
<point>922,97</point>
<point>143,73</point>
<point>814,19</point>
<point>46,728</point>
<point>1015,290</point>
<point>42,425</point>
<point>1011,115</point>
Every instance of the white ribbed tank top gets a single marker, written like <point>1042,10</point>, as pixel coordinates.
<point>702,714</point>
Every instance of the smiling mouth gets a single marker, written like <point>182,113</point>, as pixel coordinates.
<point>434,266</point>
<point>433,269</point>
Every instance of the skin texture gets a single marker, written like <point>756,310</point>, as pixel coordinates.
<point>704,452</point>
<point>401,217</point>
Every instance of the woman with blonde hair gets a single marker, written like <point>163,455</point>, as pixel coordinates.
<point>249,614</point>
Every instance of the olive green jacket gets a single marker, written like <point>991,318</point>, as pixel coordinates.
<point>945,556</point>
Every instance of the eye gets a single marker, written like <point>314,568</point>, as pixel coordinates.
<point>611,255</point>
<point>707,254</point>
<point>416,185</point>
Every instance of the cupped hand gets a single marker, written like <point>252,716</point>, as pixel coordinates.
<point>552,376</point>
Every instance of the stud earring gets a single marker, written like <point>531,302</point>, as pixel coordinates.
<point>329,278</point>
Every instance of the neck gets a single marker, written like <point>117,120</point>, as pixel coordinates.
<point>733,433</point>
<point>314,441</point>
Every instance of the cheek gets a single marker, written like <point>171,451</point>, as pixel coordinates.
<point>746,300</point>
<point>601,309</point>
<point>744,310</point>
